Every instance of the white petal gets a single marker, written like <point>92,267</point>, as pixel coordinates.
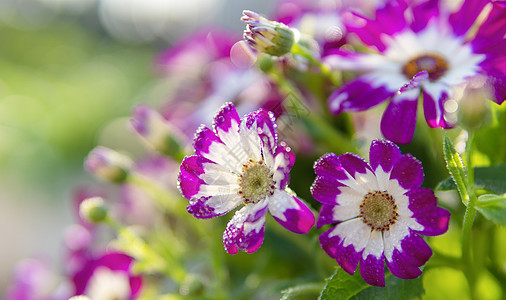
<point>349,196</point>
<point>382,177</point>
<point>345,212</point>
<point>218,174</point>
<point>394,236</point>
<point>280,202</point>
<point>401,200</point>
<point>353,232</point>
<point>375,245</point>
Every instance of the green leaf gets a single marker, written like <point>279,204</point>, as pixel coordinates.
<point>456,168</point>
<point>342,286</point>
<point>492,178</point>
<point>302,291</point>
<point>492,207</point>
<point>446,185</point>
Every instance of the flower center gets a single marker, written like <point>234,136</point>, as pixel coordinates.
<point>433,63</point>
<point>255,182</point>
<point>378,210</point>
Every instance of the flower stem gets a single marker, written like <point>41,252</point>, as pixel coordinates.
<point>467,255</point>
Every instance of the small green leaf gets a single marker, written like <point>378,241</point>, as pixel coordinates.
<point>492,178</point>
<point>492,207</point>
<point>456,168</point>
<point>446,185</point>
<point>342,286</point>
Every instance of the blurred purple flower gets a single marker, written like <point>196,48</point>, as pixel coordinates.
<point>203,76</point>
<point>108,277</point>
<point>320,20</point>
<point>414,36</point>
<point>380,211</point>
<point>35,280</point>
<point>240,163</point>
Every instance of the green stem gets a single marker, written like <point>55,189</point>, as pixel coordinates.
<point>306,53</point>
<point>467,255</point>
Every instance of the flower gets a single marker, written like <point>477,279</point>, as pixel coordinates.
<point>410,37</point>
<point>241,162</point>
<point>381,212</point>
<point>108,277</point>
<point>267,36</point>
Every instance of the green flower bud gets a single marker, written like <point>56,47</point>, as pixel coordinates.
<point>93,210</point>
<point>108,164</point>
<point>267,36</point>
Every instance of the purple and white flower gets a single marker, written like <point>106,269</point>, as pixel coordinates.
<point>240,163</point>
<point>408,37</point>
<point>381,212</point>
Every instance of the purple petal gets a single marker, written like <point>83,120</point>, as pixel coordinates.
<point>372,270</point>
<point>266,128</point>
<point>226,120</point>
<point>400,268</point>
<point>245,231</point>
<point>385,154</point>
<point>326,215</point>
<point>188,179</point>
<point>284,159</point>
<point>497,81</point>
<point>408,171</point>
<point>388,20</point>
<point>204,138</point>
<point>414,250</point>
<point>353,164</point>
<point>463,19</point>
<point>291,212</point>
<point>346,257</point>
<point>325,190</point>
<point>357,95</point>
<point>415,82</point>
<point>329,166</point>
<point>435,222</point>
<point>423,12</point>
<point>490,36</point>
<point>422,203</point>
<point>434,109</point>
<point>399,119</point>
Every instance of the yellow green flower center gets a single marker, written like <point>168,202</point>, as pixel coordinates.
<point>255,182</point>
<point>433,63</point>
<point>378,210</point>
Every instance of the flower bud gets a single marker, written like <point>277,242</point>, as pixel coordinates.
<point>108,164</point>
<point>93,210</point>
<point>267,36</point>
<point>156,131</point>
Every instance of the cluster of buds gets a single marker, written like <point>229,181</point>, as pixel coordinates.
<point>267,36</point>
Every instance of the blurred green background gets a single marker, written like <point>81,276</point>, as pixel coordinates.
<point>70,73</point>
